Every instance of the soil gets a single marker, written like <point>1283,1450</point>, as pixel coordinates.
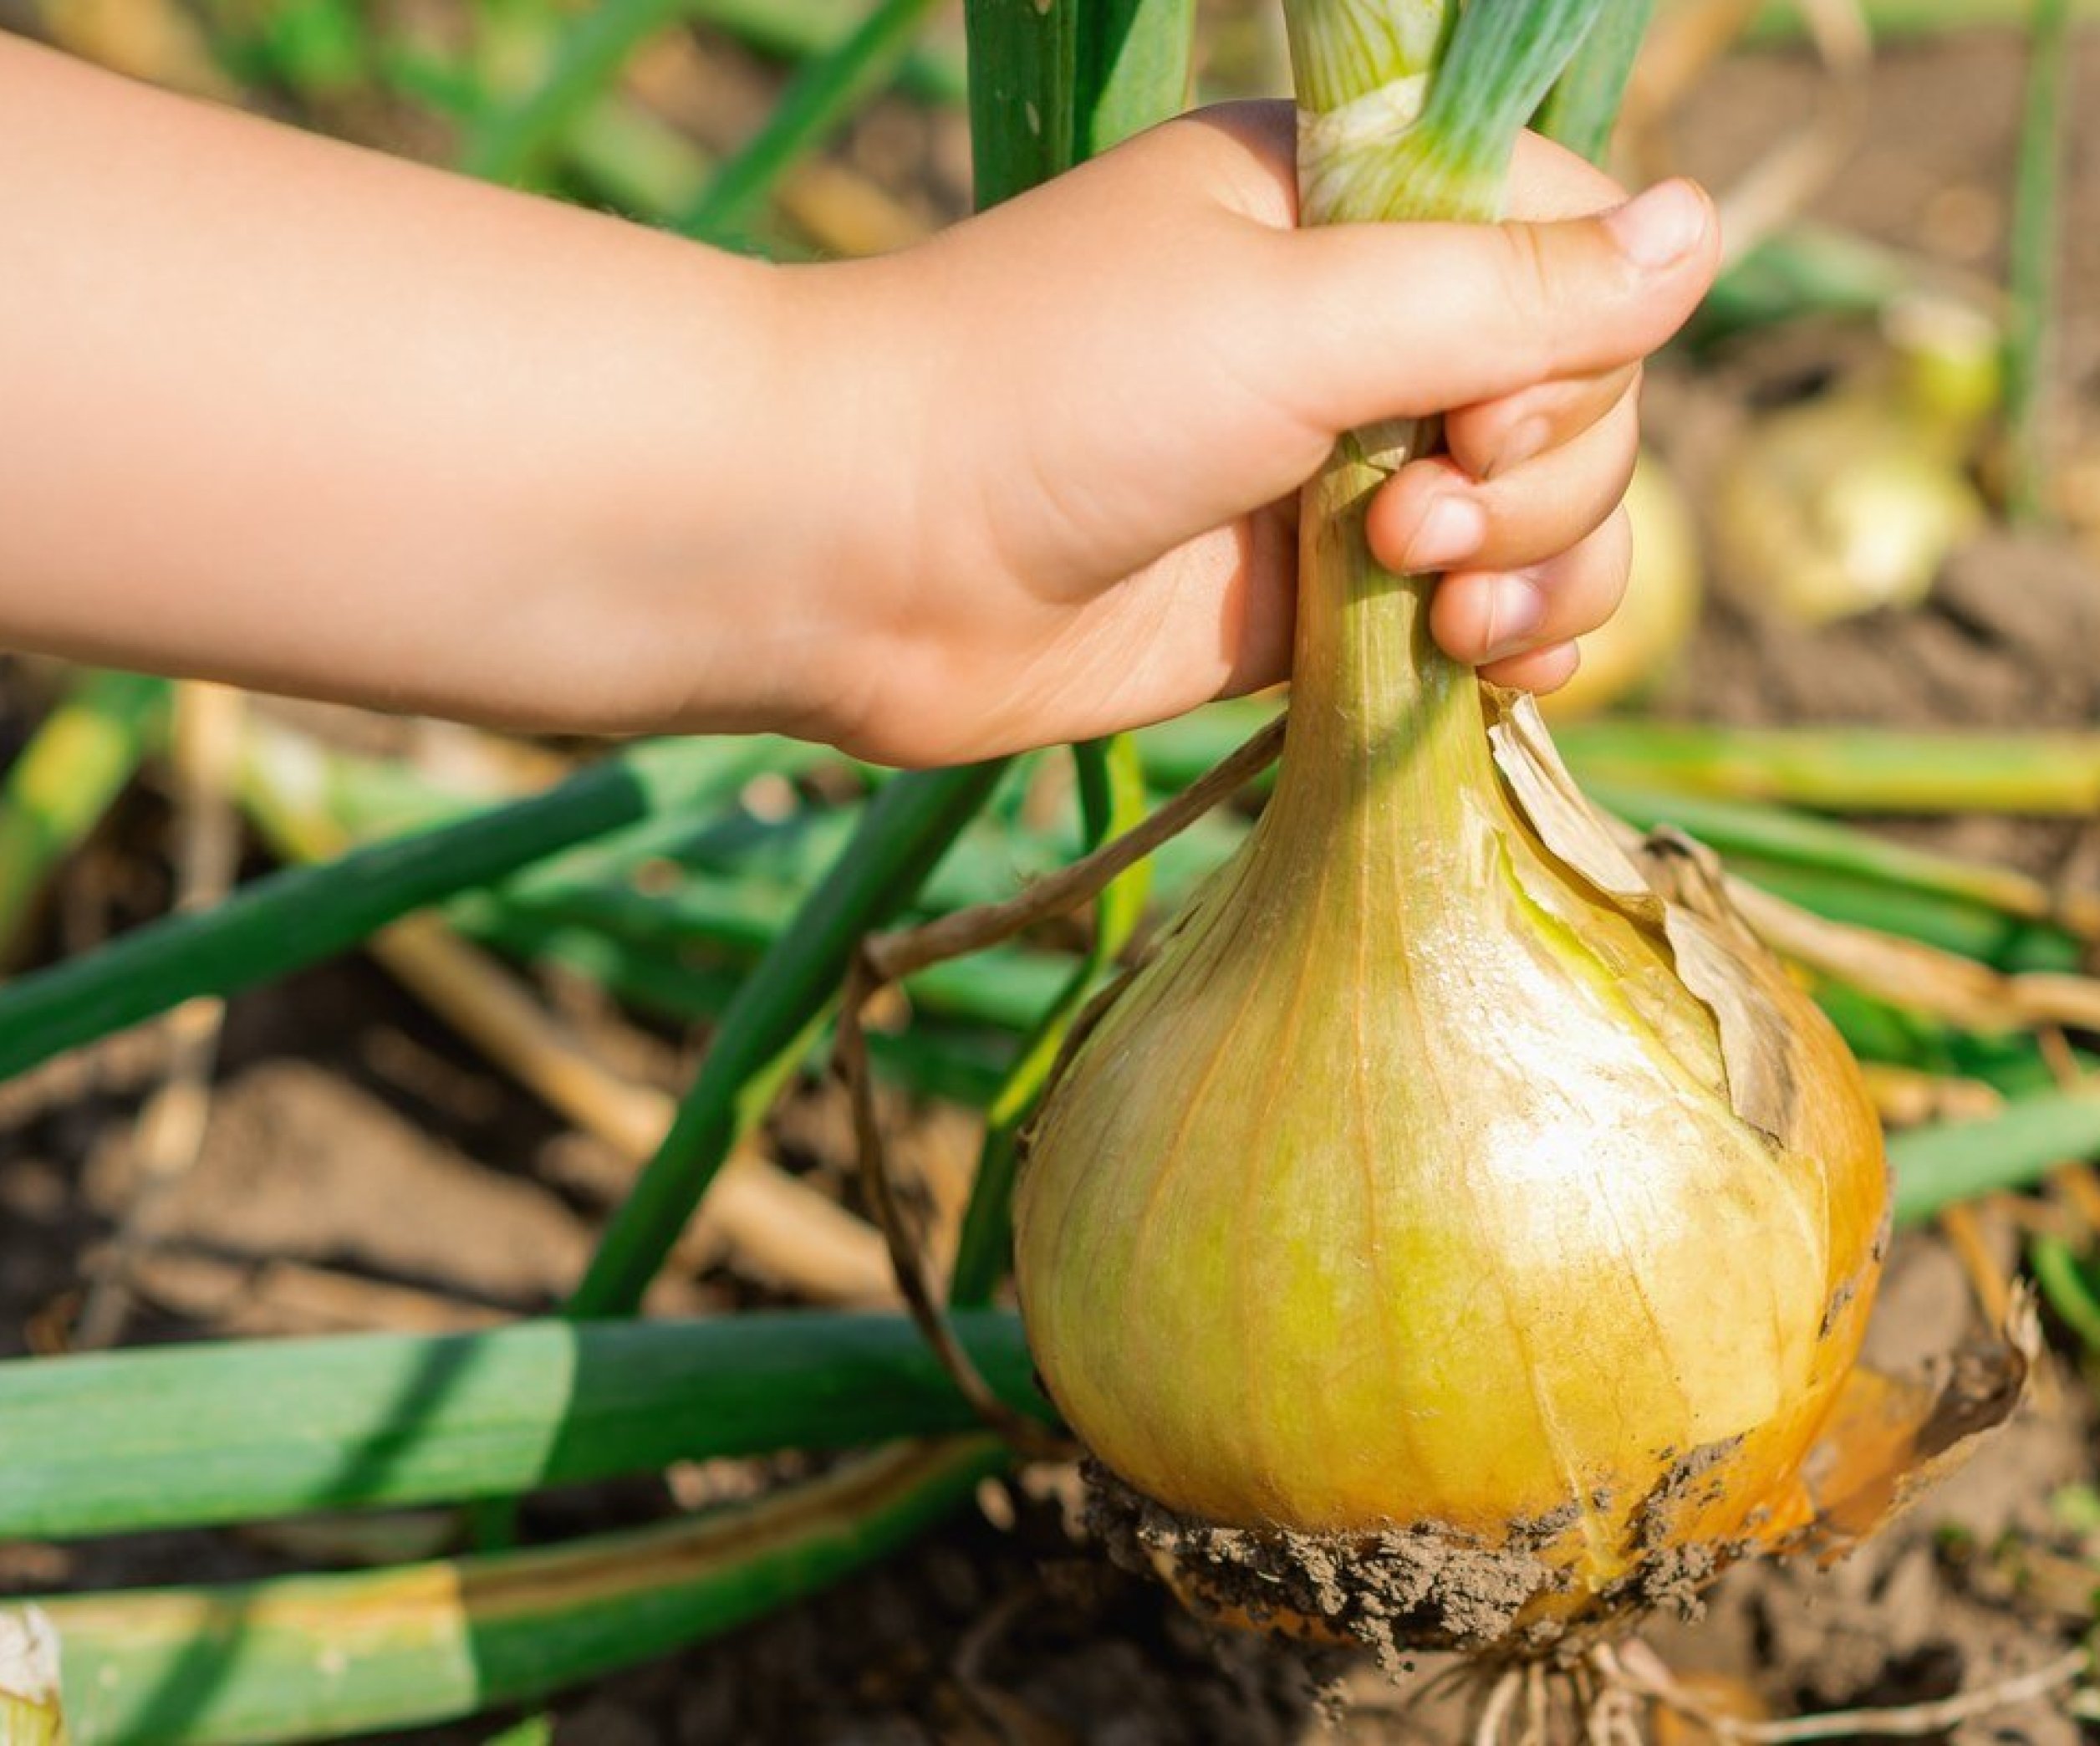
<point>1390,1592</point>
<point>364,1168</point>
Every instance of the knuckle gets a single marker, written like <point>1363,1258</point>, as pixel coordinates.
<point>1529,289</point>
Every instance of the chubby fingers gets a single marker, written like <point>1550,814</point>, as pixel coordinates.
<point>1493,436</point>
<point>1518,626</point>
<point>1435,515</point>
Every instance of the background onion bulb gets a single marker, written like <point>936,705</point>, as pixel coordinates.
<point>1633,650</point>
<point>1852,501</point>
<point>1440,1201</point>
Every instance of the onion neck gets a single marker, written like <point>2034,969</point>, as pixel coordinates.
<point>1387,743</point>
<point>1408,109</point>
<point>1387,746</point>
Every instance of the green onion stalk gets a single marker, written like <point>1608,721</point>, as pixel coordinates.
<point>1460,1230</point>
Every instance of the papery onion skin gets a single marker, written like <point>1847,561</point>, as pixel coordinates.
<point>1404,1187</point>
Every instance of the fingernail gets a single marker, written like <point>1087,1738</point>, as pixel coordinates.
<point>1451,531</point>
<point>1526,440</point>
<point>1660,227</point>
<point>1516,609</point>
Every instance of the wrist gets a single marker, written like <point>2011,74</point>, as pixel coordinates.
<point>698,513</point>
<point>851,405</point>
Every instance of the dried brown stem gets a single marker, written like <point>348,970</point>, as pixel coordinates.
<point>787,1231</point>
<point>907,1253</point>
<point>1970,1226</point>
<point>1908,972</point>
<point>892,956</point>
<point>885,959</point>
<point>784,1229</point>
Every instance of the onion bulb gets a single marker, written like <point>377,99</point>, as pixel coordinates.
<point>1632,649</point>
<point>1460,1227</point>
<point>1852,501</point>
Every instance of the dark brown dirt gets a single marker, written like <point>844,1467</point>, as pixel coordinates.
<point>363,1168</point>
<point>1393,1593</point>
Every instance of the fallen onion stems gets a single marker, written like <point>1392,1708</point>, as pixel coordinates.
<point>1847,769</point>
<point>1011,989</point>
<point>1834,769</point>
<point>1936,1167</point>
<point>1766,833</point>
<point>1919,977</point>
<point>171,1437</point>
<point>1967,930</point>
<point>314,1658</point>
<point>57,789</point>
<point>774,1018</point>
<point>827,89</point>
<point>2067,1286</point>
<point>2036,237</point>
<point>295,918</point>
<point>964,1062</point>
<point>373,797</point>
<point>2011,1063</point>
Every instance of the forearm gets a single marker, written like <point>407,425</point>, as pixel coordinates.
<point>277,409</point>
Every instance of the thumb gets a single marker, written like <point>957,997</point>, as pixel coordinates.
<point>1404,320</point>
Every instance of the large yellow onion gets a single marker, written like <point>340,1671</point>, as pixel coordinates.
<point>1462,1230</point>
<point>1442,1206</point>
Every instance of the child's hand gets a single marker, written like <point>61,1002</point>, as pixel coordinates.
<point>1086,413</point>
<point>348,427</point>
